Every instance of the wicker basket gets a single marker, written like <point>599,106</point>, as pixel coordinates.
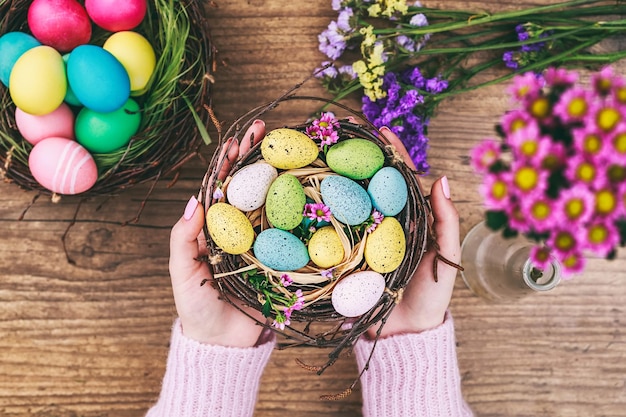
<point>174,108</point>
<point>317,324</point>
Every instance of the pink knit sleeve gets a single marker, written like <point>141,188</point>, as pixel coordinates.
<point>412,375</point>
<point>207,380</point>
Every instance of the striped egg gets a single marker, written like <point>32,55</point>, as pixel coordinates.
<point>62,166</point>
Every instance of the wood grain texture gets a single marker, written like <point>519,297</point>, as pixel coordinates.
<point>90,339</point>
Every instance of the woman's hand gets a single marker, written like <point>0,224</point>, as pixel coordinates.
<point>203,315</point>
<point>424,302</point>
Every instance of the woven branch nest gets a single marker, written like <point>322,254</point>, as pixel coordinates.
<point>318,310</point>
<point>175,108</point>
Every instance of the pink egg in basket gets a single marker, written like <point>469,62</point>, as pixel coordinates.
<point>63,166</point>
<point>59,123</point>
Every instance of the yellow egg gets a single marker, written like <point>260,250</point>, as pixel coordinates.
<point>385,246</point>
<point>325,248</point>
<point>229,228</point>
<point>288,149</point>
<point>38,82</point>
<point>136,56</point>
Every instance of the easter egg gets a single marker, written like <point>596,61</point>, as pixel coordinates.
<point>63,166</point>
<point>325,247</point>
<point>37,83</point>
<point>357,293</point>
<point>355,158</point>
<point>285,201</point>
<point>388,191</point>
<point>249,186</point>
<point>97,78</point>
<point>136,55</point>
<point>106,132</point>
<point>12,46</point>
<point>385,246</point>
<point>280,250</point>
<point>229,228</point>
<point>61,24</point>
<point>116,15</point>
<point>288,149</point>
<point>348,201</point>
<point>34,129</point>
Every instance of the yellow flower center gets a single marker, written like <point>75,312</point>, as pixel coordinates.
<point>564,241</point>
<point>570,261</point>
<point>604,85</point>
<point>540,108</point>
<point>577,107</point>
<point>605,202</point>
<point>619,143</point>
<point>574,208</point>
<point>540,210</point>
<point>529,147</point>
<point>616,173</point>
<point>543,254</point>
<point>597,233</point>
<point>517,124</point>
<point>592,143</point>
<point>526,178</point>
<point>586,172</point>
<point>488,157</point>
<point>620,93</point>
<point>498,190</point>
<point>608,118</point>
<point>550,162</point>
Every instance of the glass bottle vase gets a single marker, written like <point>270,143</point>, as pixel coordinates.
<point>500,269</point>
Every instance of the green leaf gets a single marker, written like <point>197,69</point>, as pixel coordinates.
<point>495,220</point>
<point>199,123</point>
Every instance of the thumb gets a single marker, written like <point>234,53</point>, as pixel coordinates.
<point>446,223</point>
<point>184,247</point>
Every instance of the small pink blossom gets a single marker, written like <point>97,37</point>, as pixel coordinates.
<point>317,211</point>
<point>218,194</point>
<point>285,280</point>
<point>484,155</point>
<point>376,218</point>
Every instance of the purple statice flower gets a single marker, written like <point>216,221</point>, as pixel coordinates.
<point>328,273</point>
<point>344,18</point>
<point>528,53</point>
<point>332,41</point>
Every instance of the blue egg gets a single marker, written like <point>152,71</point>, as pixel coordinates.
<point>348,201</point>
<point>97,78</point>
<point>12,46</point>
<point>280,250</point>
<point>388,191</point>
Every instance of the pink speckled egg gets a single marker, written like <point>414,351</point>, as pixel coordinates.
<point>63,166</point>
<point>59,123</point>
<point>357,293</point>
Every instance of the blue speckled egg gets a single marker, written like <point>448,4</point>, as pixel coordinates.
<point>357,159</point>
<point>388,191</point>
<point>348,201</point>
<point>280,250</point>
<point>285,201</point>
<point>12,46</point>
<point>97,78</point>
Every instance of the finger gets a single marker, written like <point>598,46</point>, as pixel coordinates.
<point>446,222</point>
<point>397,143</point>
<point>253,135</point>
<point>228,154</point>
<point>184,248</point>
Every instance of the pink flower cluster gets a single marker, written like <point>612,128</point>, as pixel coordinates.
<point>324,130</point>
<point>559,173</point>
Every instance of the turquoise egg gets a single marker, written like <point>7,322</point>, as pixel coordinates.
<point>97,78</point>
<point>357,159</point>
<point>106,132</point>
<point>285,201</point>
<point>12,46</point>
<point>280,250</point>
<point>388,191</point>
<point>348,201</point>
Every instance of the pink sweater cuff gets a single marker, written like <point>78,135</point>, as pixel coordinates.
<point>412,375</point>
<point>207,380</point>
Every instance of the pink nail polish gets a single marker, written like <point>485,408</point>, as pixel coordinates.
<point>445,187</point>
<point>190,209</point>
<point>259,122</point>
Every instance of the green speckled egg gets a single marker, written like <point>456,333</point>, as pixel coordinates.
<point>229,228</point>
<point>288,149</point>
<point>285,201</point>
<point>385,246</point>
<point>355,158</point>
<point>325,248</point>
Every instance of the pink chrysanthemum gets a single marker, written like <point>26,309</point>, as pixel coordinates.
<point>604,81</point>
<point>601,237</point>
<point>375,219</point>
<point>526,86</point>
<point>564,241</point>
<point>541,256</point>
<point>528,178</point>
<point>324,129</point>
<point>560,77</point>
<point>575,206</point>
<point>606,203</point>
<point>285,280</point>
<point>573,263</point>
<point>573,105</point>
<point>616,143</point>
<point>515,119</point>
<point>606,115</point>
<point>589,141</point>
<point>317,211</point>
<point>555,157</point>
<point>496,190</point>
<point>517,218</point>
<point>484,155</point>
<point>539,212</point>
<point>527,143</point>
<point>584,171</point>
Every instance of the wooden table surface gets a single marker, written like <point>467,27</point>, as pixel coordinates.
<point>90,339</point>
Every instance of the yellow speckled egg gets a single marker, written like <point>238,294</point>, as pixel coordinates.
<point>288,149</point>
<point>385,246</point>
<point>325,248</point>
<point>229,228</point>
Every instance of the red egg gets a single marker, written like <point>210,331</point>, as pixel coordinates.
<point>61,24</point>
<point>116,15</point>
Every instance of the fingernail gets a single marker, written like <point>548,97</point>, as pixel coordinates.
<point>445,187</point>
<point>190,209</point>
<point>259,122</point>
<point>385,129</point>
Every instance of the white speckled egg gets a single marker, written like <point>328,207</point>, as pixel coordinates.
<point>325,248</point>
<point>357,293</point>
<point>285,201</point>
<point>355,158</point>
<point>385,246</point>
<point>280,250</point>
<point>248,187</point>
<point>288,149</point>
<point>348,201</point>
<point>229,228</point>
<point>388,191</point>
